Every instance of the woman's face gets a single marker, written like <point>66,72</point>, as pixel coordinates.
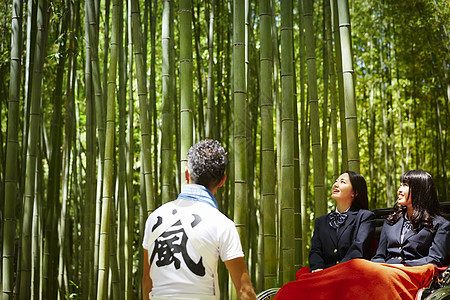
<point>342,188</point>
<point>403,195</point>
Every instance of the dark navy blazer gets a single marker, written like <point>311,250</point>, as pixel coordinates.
<point>352,239</point>
<point>418,248</point>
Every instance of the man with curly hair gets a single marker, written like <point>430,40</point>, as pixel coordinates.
<point>184,238</point>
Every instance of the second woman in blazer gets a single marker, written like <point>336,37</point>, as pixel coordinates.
<point>347,232</point>
<point>415,233</point>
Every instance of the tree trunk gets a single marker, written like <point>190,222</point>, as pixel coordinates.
<point>333,92</point>
<point>287,150</point>
<point>186,83</point>
<point>340,79</point>
<point>210,110</point>
<point>349,87</point>
<point>319,193</point>
<point>143,117</point>
<point>33,136</point>
<point>29,66</point>
<point>109,171</point>
<point>12,152</point>
<point>167,117</point>
<point>240,124</point>
<point>199,116</point>
<point>304,136</point>
<point>90,260</point>
<point>267,147</point>
<point>153,100</point>
<point>124,211</point>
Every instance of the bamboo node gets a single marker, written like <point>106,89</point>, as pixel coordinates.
<point>269,235</point>
<point>287,207</point>
<point>269,105</point>
<point>240,181</point>
<point>240,92</point>
<point>287,119</point>
<point>287,165</point>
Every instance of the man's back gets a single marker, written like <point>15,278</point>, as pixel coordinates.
<point>183,239</point>
<point>176,264</point>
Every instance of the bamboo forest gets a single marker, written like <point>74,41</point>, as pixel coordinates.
<point>100,101</point>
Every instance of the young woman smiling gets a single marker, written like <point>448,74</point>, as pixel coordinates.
<point>347,232</point>
<point>415,233</point>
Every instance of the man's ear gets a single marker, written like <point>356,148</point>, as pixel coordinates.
<point>187,175</point>
<point>222,181</point>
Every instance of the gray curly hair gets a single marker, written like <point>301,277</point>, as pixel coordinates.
<point>207,161</point>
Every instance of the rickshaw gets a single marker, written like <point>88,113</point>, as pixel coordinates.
<point>439,287</point>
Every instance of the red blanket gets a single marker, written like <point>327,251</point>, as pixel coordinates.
<point>359,279</point>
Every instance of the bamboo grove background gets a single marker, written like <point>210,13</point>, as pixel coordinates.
<point>100,101</point>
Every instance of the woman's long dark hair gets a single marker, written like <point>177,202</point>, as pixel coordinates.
<point>424,200</point>
<point>360,189</point>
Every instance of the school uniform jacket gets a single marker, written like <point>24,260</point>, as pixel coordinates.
<point>352,239</point>
<point>418,248</point>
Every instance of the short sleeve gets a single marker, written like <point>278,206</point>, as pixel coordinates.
<point>147,232</point>
<point>230,245</point>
